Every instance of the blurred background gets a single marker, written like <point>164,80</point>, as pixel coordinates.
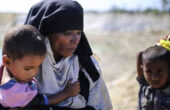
<point>117,30</point>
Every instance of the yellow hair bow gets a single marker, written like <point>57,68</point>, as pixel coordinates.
<point>165,43</point>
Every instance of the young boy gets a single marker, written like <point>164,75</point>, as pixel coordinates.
<point>23,52</point>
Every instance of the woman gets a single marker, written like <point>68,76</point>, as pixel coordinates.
<point>69,56</point>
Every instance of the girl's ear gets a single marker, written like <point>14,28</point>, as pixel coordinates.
<point>139,65</point>
<point>6,60</point>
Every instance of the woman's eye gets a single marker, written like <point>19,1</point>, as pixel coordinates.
<point>71,33</point>
<point>67,33</point>
<point>79,33</point>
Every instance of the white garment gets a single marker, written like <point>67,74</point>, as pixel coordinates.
<point>53,77</point>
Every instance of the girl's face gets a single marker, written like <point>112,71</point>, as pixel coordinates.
<point>156,73</point>
<point>64,44</point>
<point>24,69</point>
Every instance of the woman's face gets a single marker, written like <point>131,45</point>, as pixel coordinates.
<point>64,44</point>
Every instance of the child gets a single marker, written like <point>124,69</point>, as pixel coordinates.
<point>153,67</point>
<point>23,52</point>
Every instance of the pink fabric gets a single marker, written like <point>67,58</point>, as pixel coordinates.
<point>14,94</point>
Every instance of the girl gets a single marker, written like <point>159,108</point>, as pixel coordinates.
<point>153,67</point>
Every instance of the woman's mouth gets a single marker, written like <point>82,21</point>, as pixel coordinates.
<point>72,50</point>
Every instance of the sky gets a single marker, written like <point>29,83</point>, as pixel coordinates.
<point>23,6</point>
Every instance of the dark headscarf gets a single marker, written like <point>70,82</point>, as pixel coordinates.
<point>54,16</point>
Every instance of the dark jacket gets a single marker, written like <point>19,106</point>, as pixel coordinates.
<point>153,99</point>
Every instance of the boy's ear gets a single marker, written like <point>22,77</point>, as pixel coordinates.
<point>6,60</point>
<point>139,64</point>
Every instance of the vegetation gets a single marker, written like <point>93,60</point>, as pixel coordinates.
<point>148,10</point>
<point>166,5</point>
<point>165,9</point>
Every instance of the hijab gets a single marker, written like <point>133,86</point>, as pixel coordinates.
<point>54,16</point>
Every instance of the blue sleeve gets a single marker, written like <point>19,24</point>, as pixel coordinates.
<point>46,102</point>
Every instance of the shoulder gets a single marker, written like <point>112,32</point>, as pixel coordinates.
<point>95,59</point>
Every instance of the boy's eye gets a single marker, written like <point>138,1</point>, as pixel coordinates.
<point>27,69</point>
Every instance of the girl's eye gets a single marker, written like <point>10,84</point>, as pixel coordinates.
<point>158,74</point>
<point>147,71</point>
<point>159,71</point>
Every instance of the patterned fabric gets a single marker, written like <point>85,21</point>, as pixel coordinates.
<point>15,94</point>
<point>153,99</point>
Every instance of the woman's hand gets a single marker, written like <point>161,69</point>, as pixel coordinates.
<point>72,89</point>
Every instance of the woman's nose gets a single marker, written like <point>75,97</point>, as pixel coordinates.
<point>75,38</point>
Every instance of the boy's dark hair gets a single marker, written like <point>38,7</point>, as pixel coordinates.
<point>155,53</point>
<point>23,41</point>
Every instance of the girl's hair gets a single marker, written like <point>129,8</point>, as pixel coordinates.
<point>153,53</point>
<point>23,41</point>
<point>156,53</point>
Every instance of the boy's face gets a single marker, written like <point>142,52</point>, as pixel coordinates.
<point>156,73</point>
<point>26,68</point>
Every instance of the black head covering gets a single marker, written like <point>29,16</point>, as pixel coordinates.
<point>53,16</point>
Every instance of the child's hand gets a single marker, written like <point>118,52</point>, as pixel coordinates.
<point>72,89</point>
